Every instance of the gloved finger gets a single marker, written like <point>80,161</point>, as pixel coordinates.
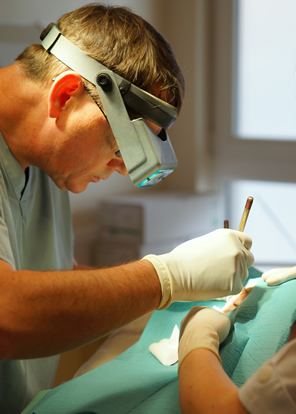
<point>242,271</point>
<point>273,272</point>
<point>219,321</point>
<point>245,239</point>
<point>276,276</point>
<point>241,275</point>
<point>205,317</point>
<point>193,311</point>
<point>249,258</point>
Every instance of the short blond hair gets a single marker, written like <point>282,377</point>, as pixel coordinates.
<point>120,40</point>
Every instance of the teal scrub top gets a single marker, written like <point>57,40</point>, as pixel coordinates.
<point>35,234</point>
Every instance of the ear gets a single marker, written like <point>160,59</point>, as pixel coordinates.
<point>64,86</point>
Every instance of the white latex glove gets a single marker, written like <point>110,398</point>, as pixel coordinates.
<point>207,267</point>
<point>278,276</point>
<point>202,328</point>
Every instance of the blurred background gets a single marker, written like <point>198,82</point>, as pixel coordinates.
<point>235,136</point>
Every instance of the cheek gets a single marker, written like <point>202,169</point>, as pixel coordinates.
<point>92,151</point>
<point>91,161</point>
<point>91,144</point>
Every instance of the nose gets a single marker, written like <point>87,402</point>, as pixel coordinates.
<point>118,165</point>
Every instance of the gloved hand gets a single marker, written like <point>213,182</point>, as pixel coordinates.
<point>207,267</point>
<point>278,276</point>
<point>202,328</point>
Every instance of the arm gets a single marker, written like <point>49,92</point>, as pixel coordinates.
<point>77,266</point>
<point>205,388</point>
<point>44,313</point>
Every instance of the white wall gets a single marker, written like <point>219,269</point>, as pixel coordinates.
<point>28,11</point>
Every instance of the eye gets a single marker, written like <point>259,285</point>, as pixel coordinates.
<point>118,154</point>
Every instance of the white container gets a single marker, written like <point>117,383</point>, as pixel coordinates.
<point>157,217</point>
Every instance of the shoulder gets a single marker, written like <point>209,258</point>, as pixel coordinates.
<point>273,387</point>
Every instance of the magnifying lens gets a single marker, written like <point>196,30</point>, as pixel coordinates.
<point>148,157</point>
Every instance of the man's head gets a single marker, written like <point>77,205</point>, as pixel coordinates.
<point>124,43</point>
<point>120,40</point>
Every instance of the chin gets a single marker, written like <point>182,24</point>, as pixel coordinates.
<point>71,184</point>
<point>77,188</point>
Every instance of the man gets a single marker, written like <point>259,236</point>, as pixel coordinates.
<point>54,138</point>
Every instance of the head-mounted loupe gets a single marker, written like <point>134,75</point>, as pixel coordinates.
<point>148,157</point>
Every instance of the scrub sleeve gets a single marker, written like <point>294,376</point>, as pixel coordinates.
<point>272,389</point>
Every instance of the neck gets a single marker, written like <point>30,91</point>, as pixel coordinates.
<point>23,111</point>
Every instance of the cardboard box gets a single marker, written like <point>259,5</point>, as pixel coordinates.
<point>113,254</point>
<point>159,217</point>
<point>134,226</point>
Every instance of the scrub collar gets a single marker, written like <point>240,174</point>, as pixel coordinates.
<point>14,172</point>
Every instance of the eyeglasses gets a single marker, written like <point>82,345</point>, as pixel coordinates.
<point>117,153</point>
